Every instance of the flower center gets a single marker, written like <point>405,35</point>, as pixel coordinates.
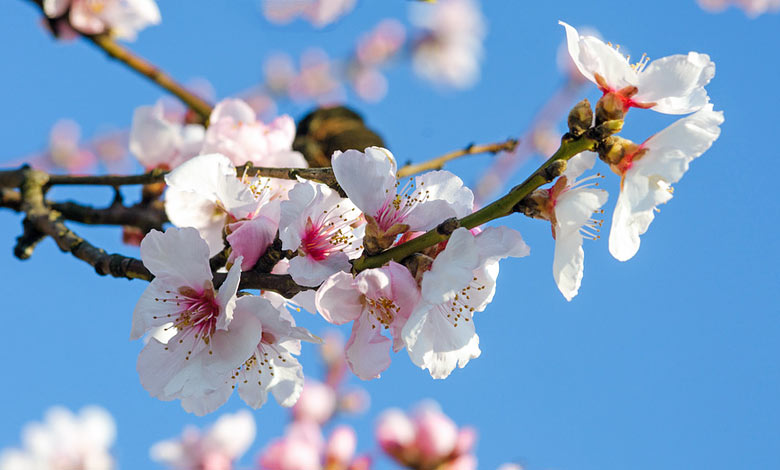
<point>198,311</point>
<point>383,309</point>
<point>330,233</point>
<point>397,206</point>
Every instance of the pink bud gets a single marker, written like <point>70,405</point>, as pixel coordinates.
<point>394,430</point>
<point>341,445</point>
<point>316,404</point>
<point>436,433</point>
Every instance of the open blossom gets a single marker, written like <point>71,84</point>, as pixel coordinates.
<point>569,205</point>
<point>65,441</point>
<point>671,85</point>
<point>317,223</point>
<point>375,300</point>
<point>450,50</point>
<point>206,194</point>
<point>426,439</point>
<point>211,332</point>
<point>752,8</point>
<point>158,142</point>
<point>270,365</point>
<point>369,180</point>
<point>235,132</point>
<point>440,333</point>
<point>216,449</point>
<point>648,172</point>
<point>122,18</point>
<point>318,12</point>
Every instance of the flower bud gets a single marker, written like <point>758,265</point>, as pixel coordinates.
<point>394,431</point>
<point>609,108</point>
<point>437,435</point>
<point>316,404</point>
<point>614,148</point>
<point>580,118</point>
<point>341,446</point>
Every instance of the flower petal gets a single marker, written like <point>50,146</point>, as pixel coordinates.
<point>367,351</point>
<point>338,300</point>
<point>442,196</point>
<point>676,83</point>
<point>367,178</point>
<point>568,262</point>
<point>592,56</point>
<point>452,269</point>
<point>178,255</point>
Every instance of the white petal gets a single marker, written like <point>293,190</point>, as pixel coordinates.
<point>179,255</point>
<point>578,164</point>
<point>676,83</point>
<point>308,272</point>
<point>367,178</point>
<point>208,402</point>
<point>338,299</point>
<point>576,206</point>
<point>633,214</point>
<point>153,309</point>
<point>592,56</point>
<point>452,269</point>
<point>568,262</point>
<point>153,140</point>
<point>235,109</point>
<point>233,434</point>
<point>367,351</point>
<point>444,196</point>
<point>226,295</point>
<point>496,243</point>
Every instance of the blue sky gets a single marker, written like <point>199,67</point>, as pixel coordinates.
<point>669,360</point>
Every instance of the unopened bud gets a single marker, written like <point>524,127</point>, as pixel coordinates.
<point>614,148</point>
<point>606,129</point>
<point>534,204</point>
<point>609,107</point>
<point>580,118</point>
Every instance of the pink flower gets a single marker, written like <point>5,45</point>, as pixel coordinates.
<point>375,300</point>
<point>158,142</point>
<point>235,132</point>
<point>340,447</point>
<point>217,449</point>
<point>671,85</point>
<point>317,403</point>
<point>752,8</point>
<point>122,18</point>
<point>210,332</point>
<point>320,13</point>
<point>298,449</point>
<point>317,223</point>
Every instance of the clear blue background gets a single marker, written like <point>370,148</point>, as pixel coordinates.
<point>667,361</point>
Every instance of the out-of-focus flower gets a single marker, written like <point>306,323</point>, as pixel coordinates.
<point>440,333</point>
<point>320,13</point>
<point>217,449</point>
<point>122,18</point>
<point>211,332</point>
<point>235,131</point>
<point>65,441</point>
<point>65,150</point>
<point>316,404</point>
<point>671,85</point>
<point>648,172</point>
<point>303,447</point>
<point>318,79</point>
<point>158,142</point>
<point>752,8</point>
<point>426,439</point>
<point>450,50</point>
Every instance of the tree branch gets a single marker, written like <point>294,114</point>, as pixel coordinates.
<point>438,162</point>
<point>500,208</point>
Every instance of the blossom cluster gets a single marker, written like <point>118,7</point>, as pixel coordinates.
<point>752,8</point>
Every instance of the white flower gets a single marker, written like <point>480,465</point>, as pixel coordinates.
<point>440,333</point>
<point>65,441</point>
<point>318,224</point>
<point>215,331</point>
<point>451,49</point>
<point>205,193</point>
<point>671,85</point>
<point>122,18</point>
<point>569,205</point>
<point>648,173</point>
<point>157,142</point>
<point>218,448</point>
<point>369,181</point>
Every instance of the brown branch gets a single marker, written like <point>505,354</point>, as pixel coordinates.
<point>438,162</point>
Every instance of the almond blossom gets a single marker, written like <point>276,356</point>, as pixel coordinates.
<point>122,18</point>
<point>320,13</point>
<point>157,142</point>
<point>216,449</point>
<point>375,300</point>
<point>211,331</point>
<point>440,333</point>
<point>670,85</point>
<point>369,180</point>
<point>235,132</point>
<point>206,194</point>
<point>303,447</point>
<point>65,441</point>
<point>270,365</point>
<point>752,8</point>
<point>450,50</point>
<point>317,223</point>
<point>648,172</point>
<point>569,205</point>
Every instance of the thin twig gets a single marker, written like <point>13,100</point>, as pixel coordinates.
<point>438,162</point>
